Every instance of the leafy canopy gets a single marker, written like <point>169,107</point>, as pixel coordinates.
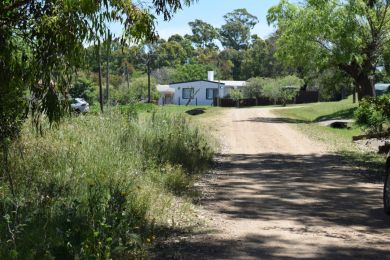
<point>349,35</point>
<point>236,32</point>
<point>204,34</point>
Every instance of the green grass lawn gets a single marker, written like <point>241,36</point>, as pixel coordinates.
<point>337,140</point>
<point>322,111</point>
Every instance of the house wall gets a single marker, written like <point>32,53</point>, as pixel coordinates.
<point>200,97</point>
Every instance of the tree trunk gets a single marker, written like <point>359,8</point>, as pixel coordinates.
<point>107,77</point>
<point>149,97</point>
<point>127,77</point>
<point>365,86</point>
<point>100,79</point>
<point>364,82</point>
<point>108,66</point>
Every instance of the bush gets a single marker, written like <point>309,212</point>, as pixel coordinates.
<point>83,88</point>
<point>282,90</point>
<point>373,114</point>
<point>138,91</point>
<point>92,187</point>
<point>254,87</point>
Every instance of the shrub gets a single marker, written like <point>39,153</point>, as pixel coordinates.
<point>373,114</point>
<point>137,91</point>
<point>282,90</point>
<point>91,188</point>
<point>121,96</point>
<point>83,88</point>
<point>254,88</point>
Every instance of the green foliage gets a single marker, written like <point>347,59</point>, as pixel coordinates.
<point>373,114</point>
<point>235,33</point>
<point>173,52</point>
<point>332,83</point>
<point>254,87</point>
<point>167,138</point>
<point>322,111</point>
<point>236,94</point>
<point>137,91</point>
<point>139,88</point>
<point>190,72</point>
<point>282,90</point>
<point>96,186</point>
<point>47,43</point>
<point>323,34</point>
<point>164,75</point>
<point>83,88</point>
<point>13,100</point>
<point>203,34</point>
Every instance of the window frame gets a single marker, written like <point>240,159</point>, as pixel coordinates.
<point>192,92</point>
<point>214,91</point>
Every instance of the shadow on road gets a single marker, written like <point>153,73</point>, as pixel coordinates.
<point>338,190</point>
<point>313,190</point>
<point>273,120</point>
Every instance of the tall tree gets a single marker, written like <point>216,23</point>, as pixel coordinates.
<point>236,32</point>
<point>349,35</point>
<point>42,45</point>
<point>203,34</point>
<point>256,61</point>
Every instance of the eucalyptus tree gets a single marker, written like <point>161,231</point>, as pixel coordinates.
<point>203,34</point>
<point>236,32</point>
<point>235,36</point>
<point>347,34</point>
<point>257,60</point>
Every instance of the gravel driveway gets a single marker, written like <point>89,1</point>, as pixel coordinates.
<point>279,195</point>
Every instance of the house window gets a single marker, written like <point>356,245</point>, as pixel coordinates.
<point>211,93</point>
<point>188,93</point>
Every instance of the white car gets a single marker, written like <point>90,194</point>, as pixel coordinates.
<point>80,105</point>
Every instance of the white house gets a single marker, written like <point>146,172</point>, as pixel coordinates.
<point>197,92</point>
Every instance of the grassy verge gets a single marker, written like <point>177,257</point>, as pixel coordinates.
<point>99,186</point>
<point>337,140</point>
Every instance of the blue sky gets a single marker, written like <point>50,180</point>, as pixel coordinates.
<point>212,11</point>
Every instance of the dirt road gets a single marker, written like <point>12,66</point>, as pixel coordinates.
<point>279,195</point>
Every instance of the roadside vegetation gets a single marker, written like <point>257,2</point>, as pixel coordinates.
<point>99,186</point>
<point>373,114</point>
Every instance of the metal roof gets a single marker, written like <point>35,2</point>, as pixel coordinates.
<point>216,82</point>
<point>227,83</point>
<point>165,89</point>
<point>233,83</point>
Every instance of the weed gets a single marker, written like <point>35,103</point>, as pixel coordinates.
<point>94,186</point>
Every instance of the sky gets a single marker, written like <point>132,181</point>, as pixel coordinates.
<point>212,11</point>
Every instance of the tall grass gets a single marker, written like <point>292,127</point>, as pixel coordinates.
<point>95,186</point>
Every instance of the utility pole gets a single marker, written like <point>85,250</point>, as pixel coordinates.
<point>100,78</point>
<point>107,78</point>
<point>108,52</point>
<point>148,68</point>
